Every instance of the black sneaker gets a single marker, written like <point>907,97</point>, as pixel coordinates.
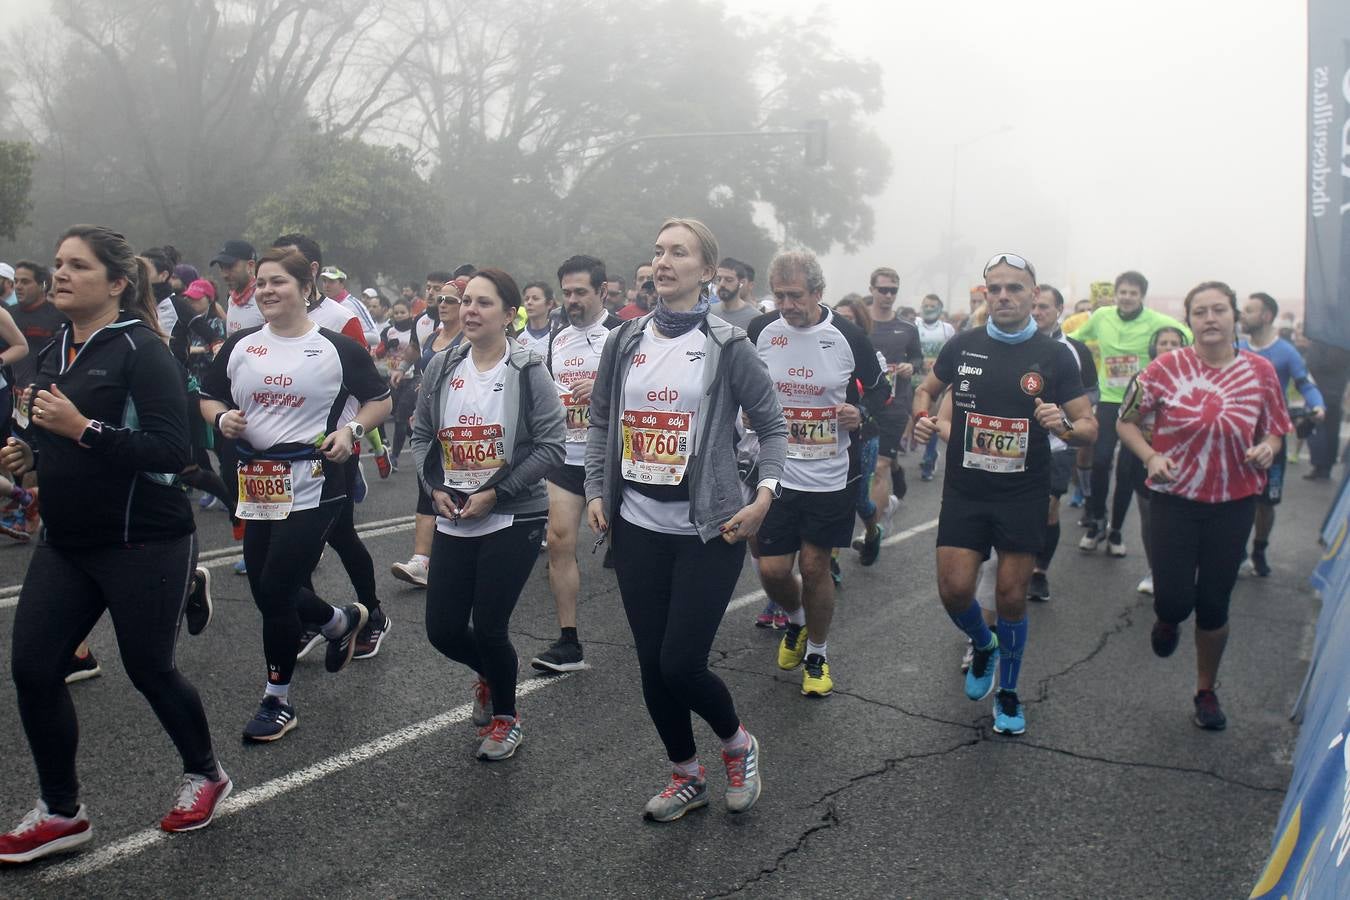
<point>1039,587</point>
<point>82,667</point>
<point>1208,715</point>
<point>836,573</point>
<point>341,648</point>
<point>871,548</point>
<point>1165,638</point>
<point>199,607</point>
<point>1259,564</point>
<point>310,638</point>
<point>372,636</point>
<point>271,722</point>
<point>563,656</point>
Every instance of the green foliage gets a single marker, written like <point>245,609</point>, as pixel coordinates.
<point>16,181</point>
<point>365,205</point>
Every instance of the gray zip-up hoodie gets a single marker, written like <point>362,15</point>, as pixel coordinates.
<point>734,378</point>
<point>532,431</point>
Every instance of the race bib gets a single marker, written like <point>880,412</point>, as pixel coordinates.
<point>813,432</point>
<point>471,454</point>
<point>578,420</point>
<point>655,446</point>
<point>1120,369</point>
<point>265,490</point>
<point>996,445</point>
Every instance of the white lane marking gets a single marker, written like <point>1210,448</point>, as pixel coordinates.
<point>141,841</point>
<point>270,790</point>
<point>228,556</point>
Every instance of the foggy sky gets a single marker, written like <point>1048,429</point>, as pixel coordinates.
<point>1162,135</point>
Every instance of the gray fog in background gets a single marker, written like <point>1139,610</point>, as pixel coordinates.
<point>1162,135</point>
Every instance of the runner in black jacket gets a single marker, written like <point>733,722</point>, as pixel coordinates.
<point>109,431</point>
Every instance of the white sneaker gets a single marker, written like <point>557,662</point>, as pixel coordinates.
<point>892,507</point>
<point>414,571</point>
<point>1246,570</point>
<point>1146,584</point>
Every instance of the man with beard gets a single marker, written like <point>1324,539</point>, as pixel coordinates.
<point>730,283</point>
<point>933,333</point>
<point>644,290</point>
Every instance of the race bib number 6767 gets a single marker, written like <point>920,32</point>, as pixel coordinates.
<point>996,444</point>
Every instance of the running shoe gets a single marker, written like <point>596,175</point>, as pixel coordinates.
<point>12,524</point>
<point>792,647</point>
<point>1246,569</point>
<point>816,680</point>
<point>209,501</point>
<point>196,801</point>
<point>482,703</point>
<point>983,666</point>
<point>1260,567</point>
<point>680,795</point>
<point>780,620</point>
<point>1115,544</point>
<point>372,636</point>
<point>967,656</point>
<point>341,648</point>
<point>1009,715</point>
<point>1208,715</point>
<point>1076,501</point>
<point>382,464</point>
<point>501,738</point>
<point>1145,585</point>
<point>32,516</point>
<point>1165,638</point>
<point>871,546</point>
<point>241,568</point>
<point>199,607</point>
<point>563,656</point>
<point>414,571</point>
<point>1096,534</point>
<point>393,463</point>
<point>81,668</point>
<point>925,472</point>
<point>1039,587</point>
<point>42,833</point>
<point>765,618</point>
<point>892,507</point>
<point>309,639</point>
<point>743,781</point>
<point>608,561</point>
<point>271,722</point>
<point>836,573</point>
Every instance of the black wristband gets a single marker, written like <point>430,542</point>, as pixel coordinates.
<point>220,416</point>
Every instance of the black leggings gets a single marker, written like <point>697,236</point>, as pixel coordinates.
<point>355,558</point>
<point>1103,456</point>
<point>481,577</point>
<point>675,590</point>
<point>281,556</point>
<point>1200,546</point>
<point>405,404</point>
<point>144,588</point>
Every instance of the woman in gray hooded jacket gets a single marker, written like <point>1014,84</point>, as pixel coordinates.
<point>661,480</point>
<point>488,427</point>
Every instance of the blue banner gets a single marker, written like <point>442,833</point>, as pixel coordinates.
<point>1309,857</point>
<point>1327,264</point>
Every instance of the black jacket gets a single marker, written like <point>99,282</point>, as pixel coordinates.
<point>122,489</point>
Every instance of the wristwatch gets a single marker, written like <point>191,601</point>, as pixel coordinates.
<point>358,430</point>
<point>1066,426</point>
<point>91,433</point>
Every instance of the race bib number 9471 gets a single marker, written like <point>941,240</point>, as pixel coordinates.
<point>813,432</point>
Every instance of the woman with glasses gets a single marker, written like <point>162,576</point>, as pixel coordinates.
<point>661,481</point>
<point>1219,421</point>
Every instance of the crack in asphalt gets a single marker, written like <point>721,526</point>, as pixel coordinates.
<point>1163,767</point>
<point>1124,621</point>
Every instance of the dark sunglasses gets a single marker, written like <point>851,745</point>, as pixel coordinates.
<point>888,291</point>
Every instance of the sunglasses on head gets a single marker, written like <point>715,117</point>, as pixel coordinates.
<point>1013,260</point>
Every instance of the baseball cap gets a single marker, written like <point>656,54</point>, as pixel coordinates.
<point>199,289</point>
<point>186,273</point>
<point>233,251</point>
<point>333,273</point>
<point>370,292</point>
<point>6,271</point>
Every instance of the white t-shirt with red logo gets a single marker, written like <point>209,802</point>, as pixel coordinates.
<point>293,391</point>
<point>241,311</point>
<point>661,400</point>
<point>576,357</point>
<point>471,441</point>
<point>334,316</point>
<point>811,368</point>
<point>1205,419</point>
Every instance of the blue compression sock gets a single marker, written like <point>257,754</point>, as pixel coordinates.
<point>972,623</point>
<point>1012,637</point>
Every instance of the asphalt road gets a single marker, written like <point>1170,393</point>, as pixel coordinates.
<point>895,786</point>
